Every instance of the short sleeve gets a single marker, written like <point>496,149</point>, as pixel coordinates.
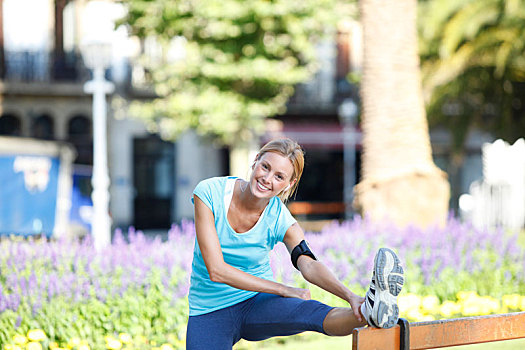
<point>283,222</point>
<point>205,190</point>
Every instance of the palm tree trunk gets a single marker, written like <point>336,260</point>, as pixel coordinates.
<point>399,179</point>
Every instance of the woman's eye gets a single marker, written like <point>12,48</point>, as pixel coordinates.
<point>265,166</point>
<point>280,178</point>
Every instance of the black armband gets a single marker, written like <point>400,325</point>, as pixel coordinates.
<point>301,249</point>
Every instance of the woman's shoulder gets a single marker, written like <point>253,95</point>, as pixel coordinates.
<point>214,183</point>
<point>210,189</point>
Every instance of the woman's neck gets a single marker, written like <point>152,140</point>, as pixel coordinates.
<point>248,200</point>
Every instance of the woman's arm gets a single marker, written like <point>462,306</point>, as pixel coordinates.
<point>317,273</point>
<point>222,272</point>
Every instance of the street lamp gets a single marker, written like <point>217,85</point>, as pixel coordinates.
<point>97,57</point>
<point>347,114</point>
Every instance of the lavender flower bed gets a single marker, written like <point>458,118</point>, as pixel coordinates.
<point>138,285</point>
<point>438,261</point>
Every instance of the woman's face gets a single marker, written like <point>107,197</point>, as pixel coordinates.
<point>272,173</point>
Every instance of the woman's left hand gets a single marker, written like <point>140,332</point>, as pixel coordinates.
<point>356,301</point>
<point>292,292</point>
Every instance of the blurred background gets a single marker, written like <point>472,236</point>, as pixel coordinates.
<point>154,166</point>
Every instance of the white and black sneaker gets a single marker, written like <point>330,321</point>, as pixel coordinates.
<point>380,307</point>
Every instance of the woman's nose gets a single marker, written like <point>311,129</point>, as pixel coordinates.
<point>266,176</point>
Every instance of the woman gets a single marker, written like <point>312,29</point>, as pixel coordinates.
<point>233,294</point>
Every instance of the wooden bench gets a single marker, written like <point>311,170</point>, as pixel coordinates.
<point>443,333</point>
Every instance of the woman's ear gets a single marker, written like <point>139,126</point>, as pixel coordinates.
<point>255,160</point>
<point>290,185</point>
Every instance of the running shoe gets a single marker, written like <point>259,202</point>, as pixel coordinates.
<point>380,307</point>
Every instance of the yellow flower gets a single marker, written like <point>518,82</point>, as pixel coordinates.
<point>490,305</point>
<point>430,304</point>
<point>471,308</point>
<point>74,342</point>
<point>414,315</point>
<point>166,347</point>
<point>83,347</point>
<point>8,347</point>
<point>34,346</point>
<point>522,303</point>
<point>53,345</point>
<point>125,338</point>
<point>142,339</point>
<point>426,318</point>
<point>409,301</point>
<point>472,304</point>
<point>19,339</point>
<point>449,308</point>
<point>511,301</point>
<point>36,335</point>
<point>466,295</point>
<point>113,344</point>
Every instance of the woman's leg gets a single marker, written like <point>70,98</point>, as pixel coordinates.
<point>215,330</point>
<point>341,321</point>
<point>271,315</point>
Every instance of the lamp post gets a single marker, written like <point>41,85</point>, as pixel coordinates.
<point>347,114</point>
<point>97,57</point>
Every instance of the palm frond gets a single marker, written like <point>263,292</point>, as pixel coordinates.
<point>467,23</point>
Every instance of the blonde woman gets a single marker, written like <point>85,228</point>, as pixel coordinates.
<point>233,294</point>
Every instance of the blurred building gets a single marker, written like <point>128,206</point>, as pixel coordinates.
<point>41,96</point>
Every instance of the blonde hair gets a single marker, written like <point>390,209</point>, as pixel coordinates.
<point>291,150</point>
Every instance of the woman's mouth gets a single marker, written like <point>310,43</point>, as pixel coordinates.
<point>261,187</point>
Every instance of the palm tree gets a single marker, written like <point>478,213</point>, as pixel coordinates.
<point>400,182</point>
<point>459,36</point>
<point>473,54</point>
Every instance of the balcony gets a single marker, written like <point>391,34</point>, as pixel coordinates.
<point>42,67</point>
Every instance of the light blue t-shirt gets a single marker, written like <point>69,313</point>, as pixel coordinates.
<point>248,251</point>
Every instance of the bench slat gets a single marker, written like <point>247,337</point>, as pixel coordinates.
<point>443,333</point>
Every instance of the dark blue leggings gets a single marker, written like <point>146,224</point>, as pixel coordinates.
<point>260,317</point>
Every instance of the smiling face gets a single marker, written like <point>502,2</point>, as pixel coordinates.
<point>272,173</point>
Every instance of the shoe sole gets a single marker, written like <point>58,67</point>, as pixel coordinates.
<point>389,282</point>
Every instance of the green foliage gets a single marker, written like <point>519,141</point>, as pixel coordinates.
<point>149,314</point>
<point>473,64</point>
<point>241,60</point>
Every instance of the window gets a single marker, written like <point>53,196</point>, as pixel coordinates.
<point>80,135</point>
<point>10,125</point>
<point>153,180</point>
<point>42,127</point>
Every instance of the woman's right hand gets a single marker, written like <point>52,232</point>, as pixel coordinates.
<point>291,292</point>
